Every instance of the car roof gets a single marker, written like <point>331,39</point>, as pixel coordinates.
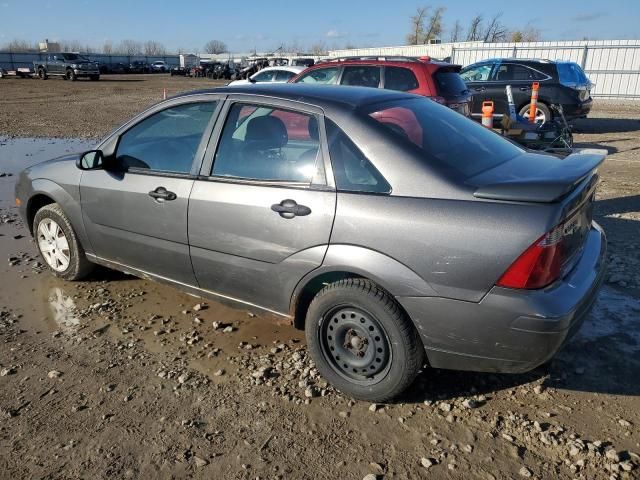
<point>384,60</point>
<point>518,60</point>
<point>319,95</point>
<point>288,68</point>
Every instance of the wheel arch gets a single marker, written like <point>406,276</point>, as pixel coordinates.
<point>349,261</point>
<point>35,203</point>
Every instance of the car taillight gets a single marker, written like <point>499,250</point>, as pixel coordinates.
<point>540,264</point>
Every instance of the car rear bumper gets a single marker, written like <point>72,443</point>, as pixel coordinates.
<point>577,110</point>
<point>510,330</point>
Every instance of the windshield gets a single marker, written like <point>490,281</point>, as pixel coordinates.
<point>443,136</point>
<point>571,74</point>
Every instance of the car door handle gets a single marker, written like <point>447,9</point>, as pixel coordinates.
<point>525,89</point>
<point>289,209</point>
<point>162,193</point>
<point>479,89</point>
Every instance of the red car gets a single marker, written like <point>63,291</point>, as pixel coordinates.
<point>439,81</point>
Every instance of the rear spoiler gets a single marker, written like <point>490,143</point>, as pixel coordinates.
<point>552,184</point>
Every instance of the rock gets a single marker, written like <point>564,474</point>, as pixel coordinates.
<point>538,389</point>
<point>627,466</point>
<point>427,462</point>
<point>219,373</point>
<point>612,455</point>
<point>7,371</point>
<point>184,378</point>
<point>228,329</point>
<point>525,472</point>
<point>370,476</point>
<point>624,423</point>
<point>310,392</point>
<point>374,407</point>
<point>199,306</point>
<point>573,451</point>
<point>200,462</point>
<point>378,468</point>
<point>54,374</point>
<point>344,414</point>
<point>470,403</point>
<point>216,325</point>
<point>445,407</point>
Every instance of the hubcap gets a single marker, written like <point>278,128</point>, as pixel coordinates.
<point>355,344</point>
<point>539,118</point>
<point>53,245</point>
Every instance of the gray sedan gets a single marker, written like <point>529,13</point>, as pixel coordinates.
<point>395,231</point>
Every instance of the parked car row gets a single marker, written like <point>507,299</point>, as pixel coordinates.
<point>136,66</point>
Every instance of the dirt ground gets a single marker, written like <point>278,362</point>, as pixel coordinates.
<point>118,377</point>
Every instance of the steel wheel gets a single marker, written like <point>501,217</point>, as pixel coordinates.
<point>355,345</point>
<point>54,245</point>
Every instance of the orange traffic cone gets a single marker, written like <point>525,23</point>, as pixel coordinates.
<point>487,114</point>
<point>533,106</point>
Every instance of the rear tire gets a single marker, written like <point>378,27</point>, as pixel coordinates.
<point>71,75</point>
<point>361,340</point>
<point>42,74</point>
<point>58,244</point>
<point>543,113</point>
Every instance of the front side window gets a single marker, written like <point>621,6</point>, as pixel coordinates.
<point>166,141</point>
<point>399,78</point>
<point>479,73</point>
<point>269,144</point>
<point>262,77</point>
<point>352,170</point>
<point>361,76</point>
<point>327,76</point>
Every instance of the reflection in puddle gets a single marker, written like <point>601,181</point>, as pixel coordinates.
<point>63,309</point>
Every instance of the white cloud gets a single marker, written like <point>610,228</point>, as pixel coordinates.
<point>333,33</point>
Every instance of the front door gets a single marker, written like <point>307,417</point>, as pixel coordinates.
<point>260,218</point>
<point>135,211</point>
<point>477,79</point>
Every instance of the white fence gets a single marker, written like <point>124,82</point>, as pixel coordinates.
<point>612,65</point>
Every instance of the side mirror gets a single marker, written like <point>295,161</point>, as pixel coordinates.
<point>251,80</point>
<point>91,160</point>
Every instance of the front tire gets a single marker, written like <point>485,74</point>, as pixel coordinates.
<point>58,244</point>
<point>361,340</point>
<point>71,75</point>
<point>42,74</point>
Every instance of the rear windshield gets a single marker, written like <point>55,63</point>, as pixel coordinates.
<point>443,137</point>
<point>449,83</point>
<point>571,73</point>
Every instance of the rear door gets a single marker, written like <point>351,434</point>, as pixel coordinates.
<point>362,76</point>
<point>477,78</point>
<point>520,77</point>
<point>135,212</point>
<point>260,214</point>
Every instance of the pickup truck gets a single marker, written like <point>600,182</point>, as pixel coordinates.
<point>70,66</point>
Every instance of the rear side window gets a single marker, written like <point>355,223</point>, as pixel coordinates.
<point>512,72</point>
<point>166,141</point>
<point>449,83</point>
<point>442,137</point>
<point>351,169</point>
<point>283,75</point>
<point>571,74</point>
<point>399,78</point>
<point>361,76</point>
<point>267,143</point>
<point>263,77</point>
<point>327,76</point>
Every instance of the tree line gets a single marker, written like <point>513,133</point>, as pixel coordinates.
<point>152,48</point>
<point>427,25</point>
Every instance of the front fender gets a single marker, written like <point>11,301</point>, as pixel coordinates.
<point>69,201</point>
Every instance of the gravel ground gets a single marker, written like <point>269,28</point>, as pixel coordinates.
<point>120,377</point>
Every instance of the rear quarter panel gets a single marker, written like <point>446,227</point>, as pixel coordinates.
<point>460,248</point>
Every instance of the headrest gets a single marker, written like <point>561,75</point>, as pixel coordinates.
<point>269,131</point>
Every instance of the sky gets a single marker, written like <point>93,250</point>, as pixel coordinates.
<point>245,25</point>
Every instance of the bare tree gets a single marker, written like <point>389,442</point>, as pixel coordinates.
<point>19,46</point>
<point>129,47</point>
<point>216,46</point>
<point>70,45</point>
<point>318,49</point>
<point>417,26</point>
<point>107,47</point>
<point>456,32</point>
<point>528,34</point>
<point>434,25</point>
<point>496,31</point>
<point>154,48</point>
<point>474,32</point>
